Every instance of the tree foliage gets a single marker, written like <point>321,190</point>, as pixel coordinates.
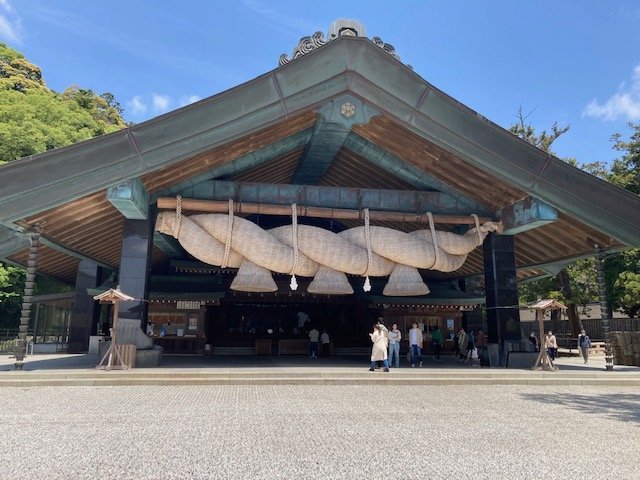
<point>625,171</point>
<point>622,274</point>
<point>11,285</point>
<point>34,119</point>
<point>542,140</point>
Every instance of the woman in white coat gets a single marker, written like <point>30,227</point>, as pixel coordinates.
<point>380,342</point>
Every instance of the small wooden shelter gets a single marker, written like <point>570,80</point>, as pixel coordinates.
<point>113,295</point>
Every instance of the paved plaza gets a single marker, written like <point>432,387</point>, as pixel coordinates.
<point>328,432</point>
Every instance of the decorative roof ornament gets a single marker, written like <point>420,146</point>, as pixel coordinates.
<point>306,45</point>
<point>387,47</point>
<point>339,28</point>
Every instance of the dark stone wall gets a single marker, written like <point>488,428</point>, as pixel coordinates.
<point>501,287</point>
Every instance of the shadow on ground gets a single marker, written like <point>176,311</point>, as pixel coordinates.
<point>622,407</point>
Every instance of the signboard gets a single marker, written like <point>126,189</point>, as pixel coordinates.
<point>188,305</point>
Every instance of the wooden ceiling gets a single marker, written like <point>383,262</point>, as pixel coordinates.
<point>91,227</point>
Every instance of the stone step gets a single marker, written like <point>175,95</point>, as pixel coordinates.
<point>222,350</point>
<point>123,378</point>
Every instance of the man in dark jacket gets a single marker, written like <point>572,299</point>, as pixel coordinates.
<point>584,344</point>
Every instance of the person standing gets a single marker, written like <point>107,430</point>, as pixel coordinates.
<point>379,349</point>
<point>551,345</point>
<point>534,341</point>
<point>326,342</point>
<point>395,336</point>
<point>436,338</point>
<point>481,345</point>
<point>471,345</point>
<point>463,342</point>
<point>415,344</point>
<point>314,335</point>
<point>584,344</point>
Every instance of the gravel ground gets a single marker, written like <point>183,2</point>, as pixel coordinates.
<point>337,432</point>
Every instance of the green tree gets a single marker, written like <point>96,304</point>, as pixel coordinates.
<point>622,273</point>
<point>625,171</point>
<point>542,140</point>
<point>11,284</point>
<point>34,119</point>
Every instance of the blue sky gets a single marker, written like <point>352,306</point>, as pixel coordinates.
<point>574,62</point>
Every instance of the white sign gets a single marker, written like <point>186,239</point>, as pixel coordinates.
<point>187,305</point>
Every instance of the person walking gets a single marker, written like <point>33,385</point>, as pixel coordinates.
<point>395,336</point>
<point>415,344</point>
<point>436,338</point>
<point>379,349</point>
<point>551,345</point>
<point>314,335</point>
<point>584,344</point>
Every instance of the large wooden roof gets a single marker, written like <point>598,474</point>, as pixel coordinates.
<point>282,127</point>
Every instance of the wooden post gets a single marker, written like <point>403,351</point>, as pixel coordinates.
<point>113,296</point>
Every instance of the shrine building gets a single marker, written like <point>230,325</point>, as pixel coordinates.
<point>338,188</point>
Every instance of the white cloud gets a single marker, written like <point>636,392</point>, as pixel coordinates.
<point>189,99</point>
<point>624,103</point>
<point>280,21</point>
<point>157,103</point>
<point>160,102</point>
<point>10,23</point>
<point>137,105</point>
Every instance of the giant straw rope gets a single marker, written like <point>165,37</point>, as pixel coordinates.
<point>308,251</point>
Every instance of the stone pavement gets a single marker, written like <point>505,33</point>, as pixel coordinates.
<point>297,418</point>
<point>313,431</point>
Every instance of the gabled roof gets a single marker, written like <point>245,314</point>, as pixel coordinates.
<point>263,129</point>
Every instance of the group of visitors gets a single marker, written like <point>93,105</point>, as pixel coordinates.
<point>386,345</point>
<point>385,351</point>
<point>314,338</point>
<point>551,345</point>
<point>465,344</point>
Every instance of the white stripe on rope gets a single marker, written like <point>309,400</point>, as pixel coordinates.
<point>294,242</point>
<point>367,238</point>
<point>434,238</point>
<point>227,243</point>
<point>475,217</point>
<point>178,215</point>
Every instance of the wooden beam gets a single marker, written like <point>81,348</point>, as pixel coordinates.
<point>221,206</point>
<point>349,198</point>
